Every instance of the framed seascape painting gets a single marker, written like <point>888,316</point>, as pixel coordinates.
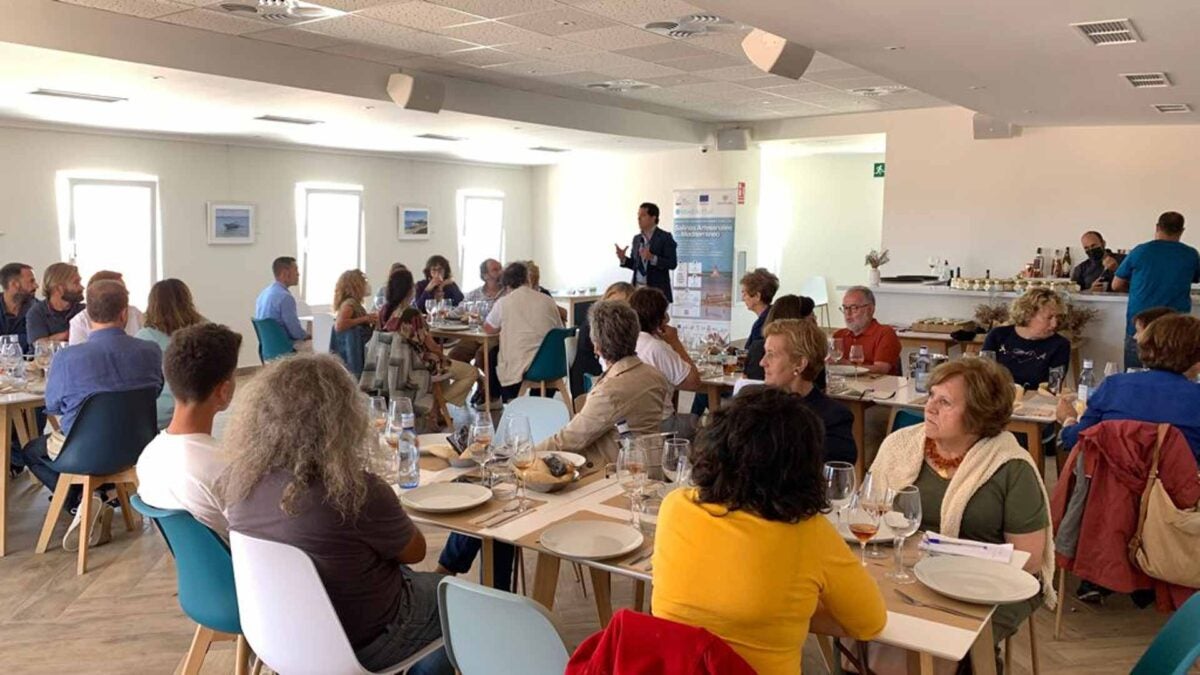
<point>413,222</point>
<point>230,223</point>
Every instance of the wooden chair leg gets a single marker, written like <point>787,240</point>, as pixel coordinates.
<point>639,595</point>
<point>85,523</point>
<point>579,578</point>
<point>201,641</point>
<point>524,389</point>
<point>542,387</point>
<point>258,666</point>
<point>127,512</point>
<point>52,515</point>
<point>1007,655</point>
<point>242,664</point>
<point>1033,652</point>
<point>1062,600</point>
<point>561,385</point>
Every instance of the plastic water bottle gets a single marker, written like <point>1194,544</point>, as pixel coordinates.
<point>1087,381</point>
<point>921,370</point>
<point>408,456</point>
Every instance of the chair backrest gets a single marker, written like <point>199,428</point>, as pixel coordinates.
<point>906,418</point>
<point>550,362</point>
<point>273,340</point>
<point>546,416</point>
<point>112,429</point>
<point>286,614</point>
<point>1177,646</point>
<point>203,567</point>
<point>497,633</point>
<point>817,289</point>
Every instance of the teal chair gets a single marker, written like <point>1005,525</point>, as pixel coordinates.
<point>905,418</point>
<point>204,574</point>
<point>1177,646</point>
<point>549,367</point>
<point>273,340</point>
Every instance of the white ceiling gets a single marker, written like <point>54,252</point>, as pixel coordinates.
<point>169,101</point>
<point>1019,60</point>
<point>557,47</point>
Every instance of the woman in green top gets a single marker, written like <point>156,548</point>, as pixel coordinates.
<point>169,308</point>
<point>976,481</point>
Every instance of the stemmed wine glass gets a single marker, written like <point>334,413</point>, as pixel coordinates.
<point>479,442</point>
<point>520,446</point>
<point>674,458</point>
<point>857,358</point>
<point>377,409</point>
<point>430,303</point>
<point>840,483</point>
<point>631,474</point>
<point>864,523</point>
<point>904,518</point>
<point>876,495</point>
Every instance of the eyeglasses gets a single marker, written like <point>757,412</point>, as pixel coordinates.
<point>852,308</point>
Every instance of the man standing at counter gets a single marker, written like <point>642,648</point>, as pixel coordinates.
<point>880,344</point>
<point>1158,273</point>
<point>1095,273</point>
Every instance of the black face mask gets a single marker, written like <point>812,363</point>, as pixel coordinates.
<point>1096,254</point>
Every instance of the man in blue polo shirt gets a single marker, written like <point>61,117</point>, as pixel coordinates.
<point>276,302</point>
<point>1158,273</point>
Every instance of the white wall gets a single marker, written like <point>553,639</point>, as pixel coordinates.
<point>226,279</point>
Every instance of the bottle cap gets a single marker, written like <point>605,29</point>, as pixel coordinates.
<point>1087,363</point>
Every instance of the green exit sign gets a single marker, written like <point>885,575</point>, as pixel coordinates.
<point>880,169</point>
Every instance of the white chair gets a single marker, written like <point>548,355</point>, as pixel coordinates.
<point>817,289</point>
<point>286,614</point>
<point>546,416</point>
<point>497,633</point>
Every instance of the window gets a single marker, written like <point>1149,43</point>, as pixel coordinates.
<point>330,240</point>
<point>112,225</point>
<point>480,232</point>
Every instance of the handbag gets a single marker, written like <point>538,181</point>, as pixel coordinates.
<point>1167,538</point>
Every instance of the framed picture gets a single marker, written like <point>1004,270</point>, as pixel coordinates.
<point>230,223</point>
<point>413,222</point>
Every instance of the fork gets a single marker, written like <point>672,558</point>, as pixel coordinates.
<point>941,608</point>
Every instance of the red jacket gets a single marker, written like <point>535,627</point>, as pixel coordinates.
<point>1117,457</point>
<point>640,644</point>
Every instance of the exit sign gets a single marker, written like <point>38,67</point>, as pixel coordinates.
<point>880,169</point>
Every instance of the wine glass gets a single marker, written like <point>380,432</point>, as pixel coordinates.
<point>875,494</point>
<point>479,443</point>
<point>675,453</point>
<point>430,303</point>
<point>904,518</point>
<point>864,523</point>
<point>377,408</point>
<point>857,358</point>
<point>43,352</point>
<point>401,412</point>
<point>631,474</point>
<point>840,483</point>
<point>522,460</point>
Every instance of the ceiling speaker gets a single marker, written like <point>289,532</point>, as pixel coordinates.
<point>733,139</point>
<point>416,92</point>
<point>987,127</point>
<point>775,55</point>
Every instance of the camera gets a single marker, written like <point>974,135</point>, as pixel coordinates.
<point>704,149</point>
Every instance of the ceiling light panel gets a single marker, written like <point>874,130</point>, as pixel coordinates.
<point>287,120</point>
<point>79,96</point>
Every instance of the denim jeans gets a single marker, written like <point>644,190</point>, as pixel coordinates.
<point>1131,353</point>
<point>461,550</point>
<point>416,624</point>
<point>37,460</point>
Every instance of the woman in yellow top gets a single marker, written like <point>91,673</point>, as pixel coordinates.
<point>747,554</point>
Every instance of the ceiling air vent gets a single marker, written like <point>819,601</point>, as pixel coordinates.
<point>692,25</point>
<point>546,148</point>
<point>439,137</point>
<point>876,92</point>
<point>95,98</point>
<point>1173,107</point>
<point>1147,80</point>
<point>620,85</point>
<point>287,120</point>
<point>1110,32</point>
<point>280,11</point>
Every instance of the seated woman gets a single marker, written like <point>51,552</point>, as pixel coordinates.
<point>437,284</point>
<point>629,390</point>
<point>1167,392</point>
<point>1030,347</point>
<point>301,437</point>
<point>658,345</point>
<point>758,287</point>
<point>586,362</point>
<point>169,309</point>
<point>784,307</point>
<point>347,342</point>
<point>747,553</point>
<point>976,481</point>
<point>409,323</point>
<point>795,356</point>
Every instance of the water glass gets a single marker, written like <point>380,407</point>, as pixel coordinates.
<point>904,518</point>
<point>377,409</point>
<point>675,453</point>
<point>987,354</point>
<point>840,483</point>
<point>631,475</point>
<point>1054,381</point>
<point>503,482</point>
<point>646,510</point>
<point>430,303</point>
<point>401,413</point>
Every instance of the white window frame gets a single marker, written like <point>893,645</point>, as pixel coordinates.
<point>304,223</point>
<point>153,259</point>
<point>463,197</point>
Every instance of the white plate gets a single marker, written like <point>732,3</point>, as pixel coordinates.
<point>591,539</point>
<point>445,497</point>
<point>846,369</point>
<point>575,460</point>
<point>453,326</point>
<point>974,580</point>
<point>883,536</point>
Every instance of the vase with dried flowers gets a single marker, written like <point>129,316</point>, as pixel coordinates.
<point>989,316</point>
<point>875,260</point>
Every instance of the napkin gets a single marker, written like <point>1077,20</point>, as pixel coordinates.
<point>936,543</point>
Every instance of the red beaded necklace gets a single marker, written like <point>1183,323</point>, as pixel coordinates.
<point>941,465</point>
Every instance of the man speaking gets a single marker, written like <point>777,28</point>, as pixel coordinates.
<point>653,255</point>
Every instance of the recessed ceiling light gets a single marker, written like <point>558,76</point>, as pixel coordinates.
<point>1029,112</point>
<point>976,87</point>
<point>287,120</point>
<point>894,48</point>
<point>439,137</point>
<point>369,107</point>
<point>546,148</point>
<point>95,98</point>
<point>566,23</point>
<point>159,77</point>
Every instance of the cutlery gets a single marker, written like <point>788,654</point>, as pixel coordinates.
<point>941,608</point>
<point>643,558</point>
<point>960,542</point>
<point>483,520</point>
<point>508,517</point>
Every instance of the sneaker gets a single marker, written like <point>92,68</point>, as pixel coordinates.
<point>100,530</point>
<point>1091,593</point>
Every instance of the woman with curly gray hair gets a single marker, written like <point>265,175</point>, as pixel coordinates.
<point>300,437</point>
<point>1031,347</point>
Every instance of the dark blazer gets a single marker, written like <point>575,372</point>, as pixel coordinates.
<point>658,273</point>
<point>839,426</point>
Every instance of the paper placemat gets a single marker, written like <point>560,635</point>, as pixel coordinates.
<point>431,463</point>
<point>533,540</point>
<point>1037,404</point>
<point>461,521</point>
<point>878,568</point>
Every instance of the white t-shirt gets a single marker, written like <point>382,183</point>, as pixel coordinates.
<point>81,325</point>
<point>656,352</point>
<point>180,471</point>
<point>524,316</point>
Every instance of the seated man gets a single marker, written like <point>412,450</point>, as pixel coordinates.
<point>49,319</point>
<point>81,326</point>
<point>180,467</point>
<point>526,316</point>
<point>275,302</point>
<point>880,345</point>
<point>17,287</point>
<point>109,361</point>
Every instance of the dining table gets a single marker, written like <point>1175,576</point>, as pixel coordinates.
<point>18,410</point>
<point>460,331</point>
